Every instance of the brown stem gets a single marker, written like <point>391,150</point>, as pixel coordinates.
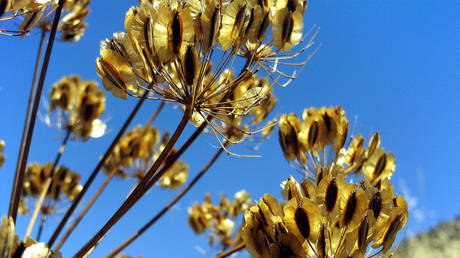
<point>29,103</point>
<point>85,210</point>
<point>47,184</point>
<point>139,190</point>
<point>167,207</point>
<point>40,229</point>
<point>93,175</point>
<point>38,206</point>
<point>235,249</point>
<point>19,176</point>
<point>154,116</point>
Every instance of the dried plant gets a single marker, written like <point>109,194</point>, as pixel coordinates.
<point>219,61</point>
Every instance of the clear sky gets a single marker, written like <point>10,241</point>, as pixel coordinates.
<point>393,65</point>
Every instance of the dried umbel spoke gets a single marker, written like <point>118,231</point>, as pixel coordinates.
<point>36,13</point>
<point>77,106</point>
<point>218,221</point>
<point>326,216</point>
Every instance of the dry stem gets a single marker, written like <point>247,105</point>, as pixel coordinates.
<point>139,190</point>
<point>93,175</point>
<point>232,251</point>
<point>19,176</point>
<point>167,207</point>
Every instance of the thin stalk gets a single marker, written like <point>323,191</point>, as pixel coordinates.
<point>40,229</point>
<point>101,188</point>
<point>47,184</point>
<point>18,184</point>
<point>157,111</point>
<point>85,210</point>
<point>167,207</point>
<point>37,207</point>
<point>139,190</point>
<point>93,175</point>
<point>235,249</point>
<point>29,103</point>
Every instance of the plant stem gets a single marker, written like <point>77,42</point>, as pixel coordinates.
<point>235,249</point>
<point>29,103</point>
<point>37,207</point>
<point>85,210</point>
<point>93,175</point>
<point>139,190</point>
<point>47,184</point>
<point>19,176</point>
<point>167,207</point>
<point>40,229</point>
<point>101,188</point>
<point>154,116</point>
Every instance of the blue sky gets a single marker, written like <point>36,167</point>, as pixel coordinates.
<point>393,65</point>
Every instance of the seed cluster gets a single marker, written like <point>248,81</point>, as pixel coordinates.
<point>83,102</point>
<point>137,144</point>
<point>64,182</point>
<point>37,14</point>
<point>325,215</point>
<point>219,220</point>
<point>169,48</point>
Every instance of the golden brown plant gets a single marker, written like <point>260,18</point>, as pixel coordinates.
<point>326,216</point>
<point>219,221</point>
<point>77,106</point>
<point>36,13</point>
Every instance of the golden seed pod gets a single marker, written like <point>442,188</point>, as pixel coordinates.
<point>209,24</point>
<point>234,22</point>
<point>8,240</point>
<point>329,194</point>
<point>173,31</point>
<point>116,73</point>
<point>287,28</point>
<point>289,127</point>
<point>302,217</point>
<point>353,204</point>
<point>379,166</point>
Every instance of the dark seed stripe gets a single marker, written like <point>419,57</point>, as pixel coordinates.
<point>362,234</point>
<point>331,195</point>
<point>303,224</point>
<point>313,133</point>
<point>376,204</point>
<point>288,27</point>
<point>350,209</point>
<point>177,28</point>
<point>380,166</point>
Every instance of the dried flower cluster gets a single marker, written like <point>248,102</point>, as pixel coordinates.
<point>169,47</point>
<point>10,246</point>
<point>219,220</point>
<point>2,157</point>
<point>37,12</point>
<point>326,216</point>
<point>83,103</point>
<point>64,182</point>
<point>137,144</point>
